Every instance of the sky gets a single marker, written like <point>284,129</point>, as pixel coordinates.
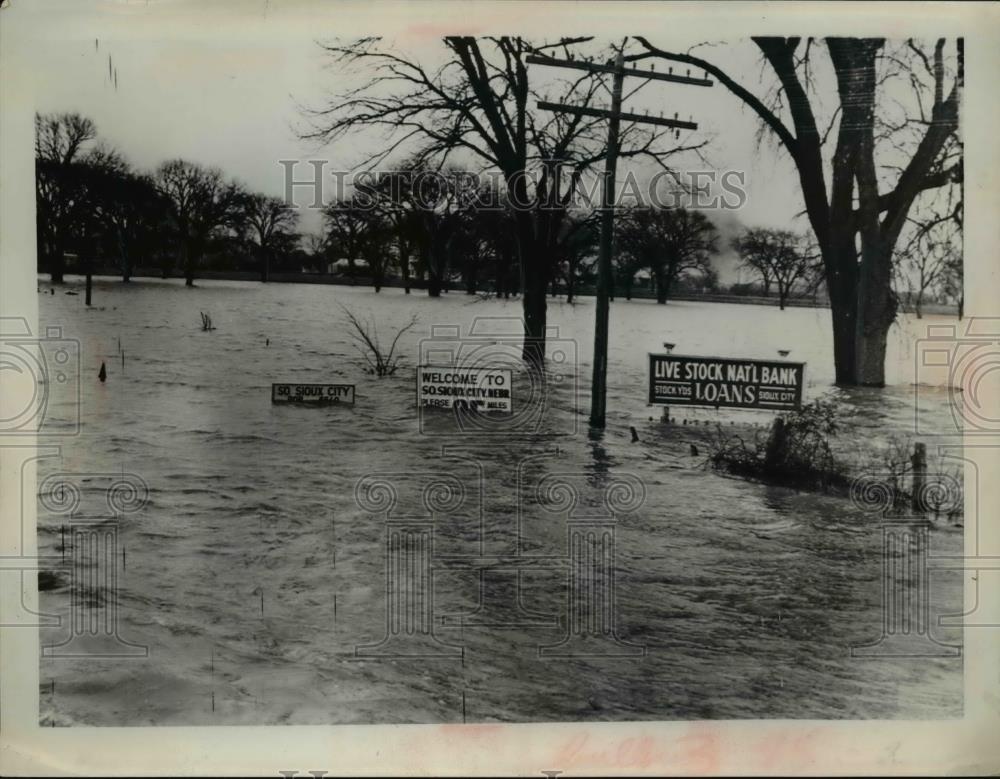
<point>224,85</point>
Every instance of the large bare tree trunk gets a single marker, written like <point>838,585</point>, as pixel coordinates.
<point>876,310</point>
<point>876,313</point>
<point>534,284</point>
<point>843,341</point>
<point>535,314</point>
<point>841,270</point>
<point>534,264</point>
<point>862,313</point>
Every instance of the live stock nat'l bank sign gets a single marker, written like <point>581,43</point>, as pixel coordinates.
<point>677,380</point>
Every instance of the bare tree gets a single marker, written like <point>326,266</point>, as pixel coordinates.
<point>670,242</point>
<point>815,278</point>
<point>127,212</point>
<point>930,261</point>
<point>434,208</point>
<point>393,196</point>
<point>359,231</point>
<point>472,250</point>
<point>777,256</point>
<point>317,251</point>
<point>578,240</point>
<point>951,285</point>
<point>201,202</point>
<point>270,221</point>
<point>61,140</point>
<point>883,159</point>
<point>477,102</point>
<point>754,248</point>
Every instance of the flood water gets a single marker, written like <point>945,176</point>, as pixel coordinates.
<point>255,571</point>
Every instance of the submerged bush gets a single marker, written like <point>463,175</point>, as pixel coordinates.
<point>890,471</point>
<point>796,452</point>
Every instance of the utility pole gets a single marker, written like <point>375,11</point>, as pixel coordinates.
<point>599,378</point>
<point>616,67</point>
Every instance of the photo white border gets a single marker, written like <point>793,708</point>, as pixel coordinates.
<point>875,747</point>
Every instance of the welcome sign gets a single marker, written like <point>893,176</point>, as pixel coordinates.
<point>479,389</point>
<point>679,380</point>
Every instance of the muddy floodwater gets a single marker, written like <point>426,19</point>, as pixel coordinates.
<point>372,564</point>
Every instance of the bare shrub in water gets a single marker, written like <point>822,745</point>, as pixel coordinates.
<point>796,452</point>
<point>944,492</point>
<point>940,491</point>
<point>364,333</point>
<point>891,466</point>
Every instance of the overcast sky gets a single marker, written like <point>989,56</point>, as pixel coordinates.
<point>228,96</point>
<point>221,84</point>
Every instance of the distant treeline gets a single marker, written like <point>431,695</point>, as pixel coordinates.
<point>432,230</point>
<point>95,207</point>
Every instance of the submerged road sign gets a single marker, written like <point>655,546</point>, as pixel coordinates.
<point>481,389</point>
<point>320,394</point>
<point>678,380</point>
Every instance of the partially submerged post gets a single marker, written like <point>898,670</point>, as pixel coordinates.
<point>919,463</point>
<point>776,445</point>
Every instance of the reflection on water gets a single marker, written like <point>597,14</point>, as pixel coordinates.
<point>254,570</point>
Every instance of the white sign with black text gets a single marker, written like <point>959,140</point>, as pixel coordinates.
<point>320,394</point>
<point>479,389</point>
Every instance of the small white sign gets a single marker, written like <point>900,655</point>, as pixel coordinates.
<point>312,393</point>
